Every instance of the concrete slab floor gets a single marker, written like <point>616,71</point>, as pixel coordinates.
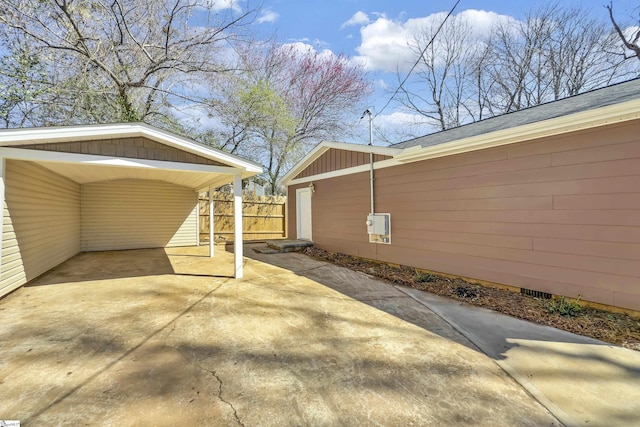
<point>155,337</point>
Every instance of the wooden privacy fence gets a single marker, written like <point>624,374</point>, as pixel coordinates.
<point>263,217</point>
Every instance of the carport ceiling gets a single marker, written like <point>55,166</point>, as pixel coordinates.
<point>84,173</point>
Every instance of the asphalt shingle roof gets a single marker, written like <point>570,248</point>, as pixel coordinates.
<point>609,95</point>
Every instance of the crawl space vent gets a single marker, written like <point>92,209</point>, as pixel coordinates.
<point>535,294</point>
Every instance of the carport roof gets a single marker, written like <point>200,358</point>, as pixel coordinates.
<point>85,168</point>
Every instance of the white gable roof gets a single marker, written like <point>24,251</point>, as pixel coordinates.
<point>85,168</point>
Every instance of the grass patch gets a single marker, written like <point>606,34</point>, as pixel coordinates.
<point>564,307</point>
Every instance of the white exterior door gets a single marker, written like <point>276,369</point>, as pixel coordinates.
<point>303,202</point>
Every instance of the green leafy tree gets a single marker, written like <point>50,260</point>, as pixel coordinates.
<point>286,99</point>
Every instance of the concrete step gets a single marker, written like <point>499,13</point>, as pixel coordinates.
<point>289,245</point>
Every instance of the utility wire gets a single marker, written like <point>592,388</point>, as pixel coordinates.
<point>419,57</point>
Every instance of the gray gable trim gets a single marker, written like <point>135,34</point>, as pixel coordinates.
<point>598,98</point>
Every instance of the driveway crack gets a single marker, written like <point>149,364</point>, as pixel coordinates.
<point>235,412</point>
<point>215,375</point>
<point>202,368</point>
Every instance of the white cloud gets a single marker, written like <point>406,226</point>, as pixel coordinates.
<point>358,18</point>
<point>401,126</point>
<point>385,42</point>
<point>267,16</point>
<point>317,43</point>
<point>218,5</point>
<point>382,84</point>
<point>303,47</point>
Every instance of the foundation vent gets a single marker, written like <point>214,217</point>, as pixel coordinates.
<point>535,294</point>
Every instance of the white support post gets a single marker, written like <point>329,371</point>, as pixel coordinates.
<point>237,221</point>
<point>211,236</point>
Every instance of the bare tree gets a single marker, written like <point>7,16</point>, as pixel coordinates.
<point>286,98</point>
<point>439,90</point>
<point>125,59</point>
<point>552,53</point>
<point>630,41</point>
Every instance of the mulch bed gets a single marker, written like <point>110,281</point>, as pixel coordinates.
<point>615,328</point>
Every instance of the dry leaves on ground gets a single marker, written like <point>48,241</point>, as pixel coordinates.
<point>614,328</point>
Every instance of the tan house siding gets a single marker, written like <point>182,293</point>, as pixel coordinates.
<point>40,222</point>
<point>336,159</point>
<point>559,214</point>
<point>339,209</point>
<point>134,148</point>
<point>132,214</point>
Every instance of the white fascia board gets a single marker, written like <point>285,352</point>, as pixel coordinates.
<point>342,172</point>
<point>46,135</point>
<point>90,159</point>
<point>612,114</point>
<point>324,146</point>
<point>195,148</point>
<point>386,151</point>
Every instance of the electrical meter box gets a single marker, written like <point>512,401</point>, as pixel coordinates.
<point>379,227</point>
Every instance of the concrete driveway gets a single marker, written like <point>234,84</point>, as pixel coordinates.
<point>154,337</point>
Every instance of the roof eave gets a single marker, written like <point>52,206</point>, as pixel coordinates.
<point>43,135</point>
<point>611,114</point>
<point>325,146</point>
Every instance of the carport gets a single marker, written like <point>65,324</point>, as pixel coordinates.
<point>76,189</point>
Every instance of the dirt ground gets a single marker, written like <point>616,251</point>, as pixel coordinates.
<point>615,328</point>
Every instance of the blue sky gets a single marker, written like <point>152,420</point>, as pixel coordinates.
<point>372,30</point>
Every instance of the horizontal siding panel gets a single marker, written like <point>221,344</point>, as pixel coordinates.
<point>585,247</point>
<point>617,168</point>
<point>624,132</point>
<point>599,201</point>
<point>465,164</point>
<point>397,175</point>
<point>516,242</point>
<point>628,184</point>
<point>564,231</point>
<point>360,248</point>
<point>572,261</point>
<point>523,274</point>
<point>588,217</point>
<point>41,222</point>
<point>545,279</point>
<point>577,217</point>
<point>628,150</point>
<point>626,299</point>
<point>453,205</point>
<point>134,214</point>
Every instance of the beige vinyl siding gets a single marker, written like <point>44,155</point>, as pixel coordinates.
<point>132,214</point>
<point>41,222</point>
<point>558,214</point>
